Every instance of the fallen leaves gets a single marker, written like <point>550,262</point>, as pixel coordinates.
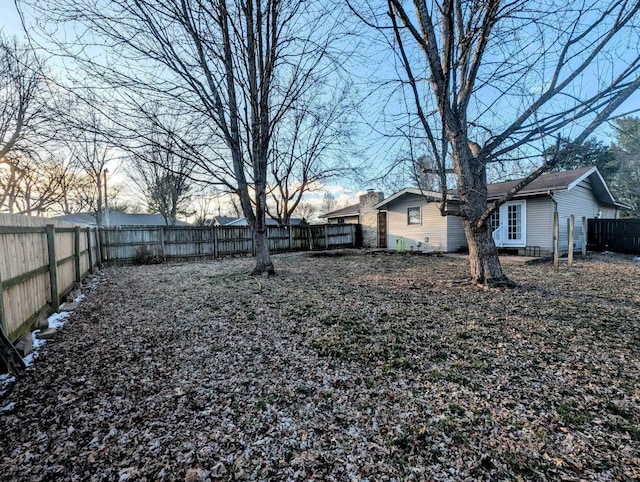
<point>340,368</point>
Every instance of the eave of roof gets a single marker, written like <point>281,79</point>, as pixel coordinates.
<point>436,196</point>
<point>543,185</point>
<point>353,210</point>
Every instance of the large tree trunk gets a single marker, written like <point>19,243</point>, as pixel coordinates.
<point>472,187</point>
<point>264,264</point>
<point>483,255</point>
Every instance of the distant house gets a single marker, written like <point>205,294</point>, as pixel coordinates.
<point>270,222</point>
<point>119,219</point>
<point>348,215</point>
<point>525,223</point>
<point>364,213</point>
<point>220,221</point>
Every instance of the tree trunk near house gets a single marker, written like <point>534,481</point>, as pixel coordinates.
<point>484,263</point>
<point>466,71</point>
<point>483,256</point>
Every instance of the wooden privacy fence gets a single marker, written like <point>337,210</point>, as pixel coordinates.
<point>621,235</point>
<point>129,244</point>
<point>40,262</point>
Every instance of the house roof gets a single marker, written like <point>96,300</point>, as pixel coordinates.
<point>119,219</point>
<point>431,195</point>
<point>270,222</point>
<point>353,210</point>
<point>547,182</point>
<point>220,220</point>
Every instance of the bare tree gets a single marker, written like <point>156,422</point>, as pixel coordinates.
<point>21,97</point>
<point>329,203</point>
<point>33,187</point>
<point>493,81</point>
<point>235,68</point>
<point>162,174</point>
<point>312,145</point>
<point>305,210</point>
<point>91,152</point>
<point>25,121</point>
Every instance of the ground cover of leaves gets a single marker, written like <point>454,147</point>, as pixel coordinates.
<point>358,367</point>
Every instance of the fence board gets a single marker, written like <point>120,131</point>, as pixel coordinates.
<point>123,244</point>
<point>24,268</point>
<point>27,287</point>
<point>620,235</point>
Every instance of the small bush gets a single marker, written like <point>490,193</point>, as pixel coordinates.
<point>145,256</point>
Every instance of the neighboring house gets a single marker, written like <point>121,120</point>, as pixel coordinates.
<point>220,221</point>
<point>270,222</point>
<point>119,219</point>
<point>365,214</point>
<point>525,223</point>
<point>348,215</point>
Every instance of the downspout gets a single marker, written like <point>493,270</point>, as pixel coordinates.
<point>555,210</point>
<point>555,203</point>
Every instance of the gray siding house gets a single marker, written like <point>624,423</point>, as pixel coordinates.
<point>525,223</point>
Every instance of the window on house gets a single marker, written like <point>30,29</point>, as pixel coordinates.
<point>340,220</point>
<point>413,215</point>
<point>494,220</point>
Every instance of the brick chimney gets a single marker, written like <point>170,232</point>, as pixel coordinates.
<point>369,217</point>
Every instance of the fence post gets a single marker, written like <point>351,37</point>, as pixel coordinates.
<point>214,230</point>
<point>96,233</point>
<point>556,233</point>
<point>584,237</point>
<point>353,235</point>
<point>53,266</point>
<point>570,252</point>
<point>103,245</point>
<point>326,237</point>
<point>3,321</point>
<point>290,228</point>
<point>310,236</point>
<point>89,250</point>
<point>76,252</point>
<point>163,249</point>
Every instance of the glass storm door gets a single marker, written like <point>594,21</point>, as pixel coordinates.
<point>508,225</point>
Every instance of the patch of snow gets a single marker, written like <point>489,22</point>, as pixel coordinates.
<point>8,407</point>
<point>5,380</point>
<point>57,320</point>
<point>79,298</point>
<point>37,342</point>
<point>28,360</point>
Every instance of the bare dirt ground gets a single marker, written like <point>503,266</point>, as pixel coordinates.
<point>359,367</point>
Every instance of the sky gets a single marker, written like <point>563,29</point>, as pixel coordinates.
<point>9,18</point>
<point>345,191</point>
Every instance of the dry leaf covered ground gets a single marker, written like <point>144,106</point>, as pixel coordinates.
<point>359,367</point>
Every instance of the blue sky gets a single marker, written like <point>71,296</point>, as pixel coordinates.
<point>10,19</point>
<point>382,152</point>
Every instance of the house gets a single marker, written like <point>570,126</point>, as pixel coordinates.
<point>347,215</point>
<point>525,223</point>
<point>118,218</point>
<point>220,221</point>
<point>270,222</point>
<point>364,213</point>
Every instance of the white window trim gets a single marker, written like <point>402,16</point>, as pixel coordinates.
<point>419,208</point>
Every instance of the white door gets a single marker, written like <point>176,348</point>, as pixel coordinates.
<point>509,225</point>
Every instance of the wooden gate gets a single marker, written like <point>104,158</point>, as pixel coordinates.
<point>382,229</point>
